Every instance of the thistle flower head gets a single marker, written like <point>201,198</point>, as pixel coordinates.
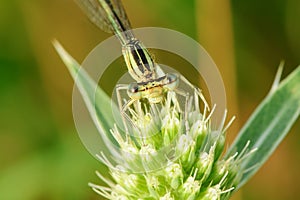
<point>171,153</point>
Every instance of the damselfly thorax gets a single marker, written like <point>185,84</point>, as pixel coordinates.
<point>142,68</point>
<point>139,62</point>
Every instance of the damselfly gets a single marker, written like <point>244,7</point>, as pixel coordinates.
<point>110,16</point>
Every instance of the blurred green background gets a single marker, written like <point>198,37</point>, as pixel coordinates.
<point>41,156</point>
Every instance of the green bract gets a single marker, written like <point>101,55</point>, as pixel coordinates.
<point>196,169</point>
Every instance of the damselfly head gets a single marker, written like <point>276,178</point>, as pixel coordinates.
<point>152,91</point>
<point>133,91</point>
<point>156,95</point>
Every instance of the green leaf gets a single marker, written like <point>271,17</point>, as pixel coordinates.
<point>269,124</point>
<point>97,101</point>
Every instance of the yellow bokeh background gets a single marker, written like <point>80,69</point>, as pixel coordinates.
<point>41,156</point>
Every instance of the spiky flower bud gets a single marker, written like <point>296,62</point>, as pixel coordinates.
<point>193,169</point>
<point>174,175</point>
<point>204,164</point>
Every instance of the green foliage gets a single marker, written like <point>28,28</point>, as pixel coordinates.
<point>269,124</point>
<point>263,132</point>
